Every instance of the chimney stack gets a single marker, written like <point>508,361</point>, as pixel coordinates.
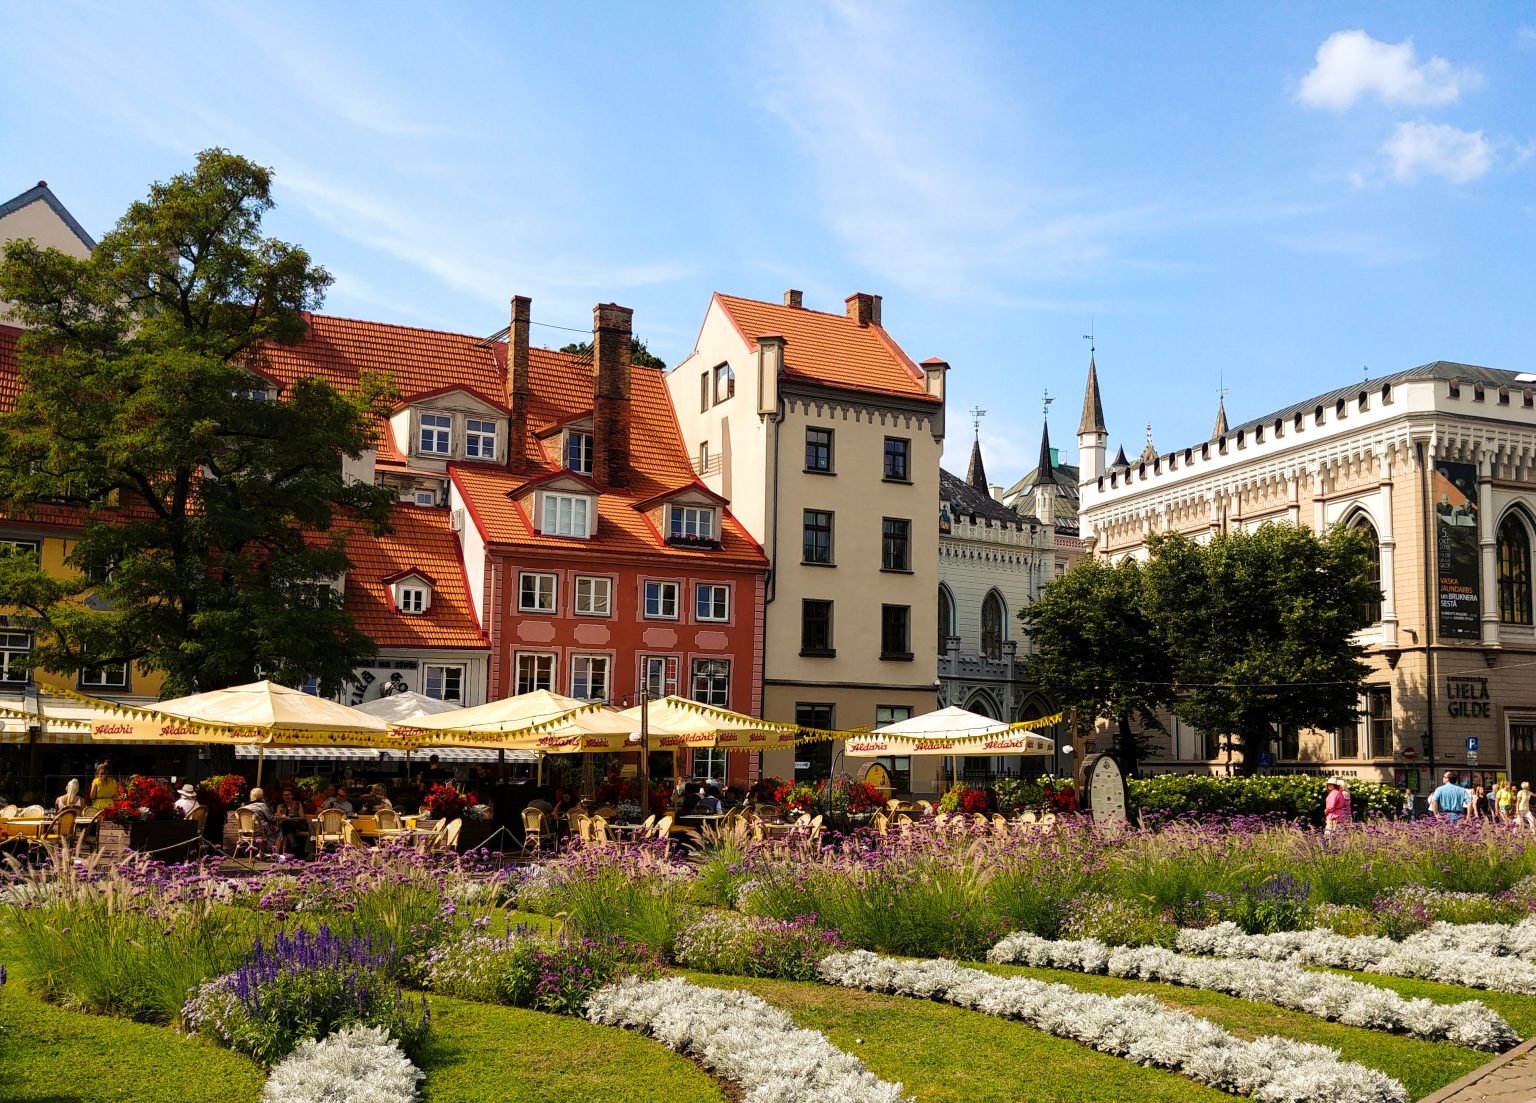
<point>863,309</point>
<point>793,298</point>
<point>612,327</point>
<point>519,389</point>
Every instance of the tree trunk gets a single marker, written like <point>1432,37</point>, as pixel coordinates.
<point>1125,748</point>
<point>1254,741</point>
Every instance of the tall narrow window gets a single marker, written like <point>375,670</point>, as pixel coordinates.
<point>946,618</point>
<point>1372,609</point>
<point>817,544</point>
<point>896,544</point>
<point>578,452</point>
<point>1514,572</point>
<point>897,454</point>
<point>658,673</point>
<point>1378,720</point>
<point>14,647</point>
<point>896,632</point>
<point>725,383</point>
<point>818,449</point>
<point>816,627</point>
<point>992,630</point>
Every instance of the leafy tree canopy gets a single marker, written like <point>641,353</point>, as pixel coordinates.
<point>213,517</point>
<point>1260,628</point>
<point>1098,651</point>
<point>638,353</point>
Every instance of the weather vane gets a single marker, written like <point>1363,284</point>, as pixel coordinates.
<point>1089,336</point>
<point>977,413</point>
<point>1048,401</point>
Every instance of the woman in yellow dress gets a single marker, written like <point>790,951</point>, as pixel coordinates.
<point>105,789</point>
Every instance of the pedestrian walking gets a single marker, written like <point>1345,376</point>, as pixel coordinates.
<point>1449,801</point>
<point>1336,807</point>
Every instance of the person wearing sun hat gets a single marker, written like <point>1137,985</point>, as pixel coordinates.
<point>187,801</point>
<point>1336,808</point>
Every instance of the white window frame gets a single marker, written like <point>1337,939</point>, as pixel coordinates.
<point>413,599</point>
<point>595,671</point>
<point>441,434</point>
<point>443,672</point>
<point>723,374</point>
<point>577,522</point>
<point>477,433</point>
<point>98,677</point>
<point>712,602</point>
<point>542,604</point>
<point>699,519</point>
<point>22,547</point>
<point>582,441</point>
<point>536,659</point>
<point>425,497</point>
<point>659,674</point>
<point>662,588</point>
<point>719,697</point>
<point>597,600</point>
<point>710,762</point>
<point>14,648</point>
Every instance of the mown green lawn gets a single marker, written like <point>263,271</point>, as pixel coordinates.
<point>1423,1067</point>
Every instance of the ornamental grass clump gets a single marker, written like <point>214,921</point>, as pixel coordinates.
<point>633,893</point>
<point>752,946</point>
<point>1118,922</point>
<point>525,969</point>
<point>305,986</point>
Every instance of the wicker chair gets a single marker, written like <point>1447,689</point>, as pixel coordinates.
<point>534,830</point>
<point>881,823</point>
<point>389,824</point>
<point>450,836</point>
<point>814,835</point>
<point>249,835</point>
<point>61,831</point>
<point>199,816</point>
<point>999,824</point>
<point>330,829</point>
<point>598,825</point>
<point>663,828</point>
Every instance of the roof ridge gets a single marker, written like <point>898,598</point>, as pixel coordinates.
<point>781,306</point>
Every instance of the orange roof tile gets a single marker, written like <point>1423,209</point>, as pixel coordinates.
<point>10,373</point>
<point>421,542</point>
<point>829,349</point>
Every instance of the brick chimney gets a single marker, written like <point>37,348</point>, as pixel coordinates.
<point>793,298</point>
<point>519,388</point>
<point>611,329</point>
<point>863,309</point>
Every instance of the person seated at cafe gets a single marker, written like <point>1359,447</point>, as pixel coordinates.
<point>564,801</point>
<point>292,821</point>
<point>71,801</point>
<point>186,800</point>
<point>689,804</point>
<point>338,799</point>
<point>434,774</point>
<point>709,802</point>
<point>266,821</point>
<point>105,789</point>
<point>377,797</point>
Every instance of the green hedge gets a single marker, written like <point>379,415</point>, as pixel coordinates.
<point>1295,796</point>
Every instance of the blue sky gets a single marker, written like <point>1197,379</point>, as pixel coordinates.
<point>1278,199</point>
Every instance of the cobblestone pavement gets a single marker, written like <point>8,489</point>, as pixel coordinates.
<point>1510,1078</point>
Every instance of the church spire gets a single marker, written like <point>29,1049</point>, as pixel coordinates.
<point>1044,470</point>
<point>1093,408</point>
<point>1221,419</point>
<point>976,474</point>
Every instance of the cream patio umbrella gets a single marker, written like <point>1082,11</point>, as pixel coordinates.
<point>676,722</point>
<point>400,707</point>
<point>953,731</point>
<point>537,721</point>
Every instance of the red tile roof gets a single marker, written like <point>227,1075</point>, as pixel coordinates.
<point>10,374</point>
<point>423,362</point>
<point>421,543</point>
<point>830,349</point>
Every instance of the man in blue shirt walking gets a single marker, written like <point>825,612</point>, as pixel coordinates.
<point>1450,801</point>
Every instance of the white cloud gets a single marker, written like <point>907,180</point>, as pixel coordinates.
<point>1439,150</point>
<point>1352,64</point>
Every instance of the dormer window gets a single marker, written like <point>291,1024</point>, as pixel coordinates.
<point>691,525</point>
<point>479,439</point>
<point>436,435</point>
<point>565,515</point>
<point>413,594</point>
<point>578,452</point>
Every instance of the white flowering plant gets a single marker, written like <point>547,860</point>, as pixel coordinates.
<point>1283,984</point>
<point>360,1064</point>
<point>1367,954</point>
<point>743,1039</point>
<point>1275,1070</point>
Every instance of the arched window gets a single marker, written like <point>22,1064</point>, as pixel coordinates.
<point>1514,572</point>
<point>946,617</point>
<point>1372,609</point>
<point>993,632</point>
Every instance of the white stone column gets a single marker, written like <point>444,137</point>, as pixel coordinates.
<point>1488,573</point>
<point>1319,502</point>
<point>1388,540</point>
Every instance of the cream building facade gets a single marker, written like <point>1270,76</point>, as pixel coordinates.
<point>1438,463</point>
<point>825,437</point>
<point>37,214</point>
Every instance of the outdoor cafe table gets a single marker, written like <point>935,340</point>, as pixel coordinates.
<point>18,828</point>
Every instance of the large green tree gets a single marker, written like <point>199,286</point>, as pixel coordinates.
<point>1260,628</point>
<point>213,517</point>
<point>1098,651</point>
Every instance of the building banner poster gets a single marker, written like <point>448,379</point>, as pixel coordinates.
<point>1457,551</point>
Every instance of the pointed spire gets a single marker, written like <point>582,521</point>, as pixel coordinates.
<point>1045,474</point>
<point>1093,408</point>
<point>1221,419</point>
<point>976,474</point>
<point>1120,460</point>
<point>1149,453</point>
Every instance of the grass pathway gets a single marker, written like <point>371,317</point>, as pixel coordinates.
<point>1423,1067</point>
<point>944,1054</point>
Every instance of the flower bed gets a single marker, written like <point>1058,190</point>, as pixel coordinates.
<point>522,970</point>
<point>748,946</point>
<point>1366,954</point>
<point>742,1038</point>
<point>1135,1027</point>
<point>1326,995</point>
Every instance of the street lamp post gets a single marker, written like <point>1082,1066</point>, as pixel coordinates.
<point>644,773</point>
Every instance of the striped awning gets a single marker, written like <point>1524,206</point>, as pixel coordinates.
<point>61,723</point>
<point>474,755</point>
